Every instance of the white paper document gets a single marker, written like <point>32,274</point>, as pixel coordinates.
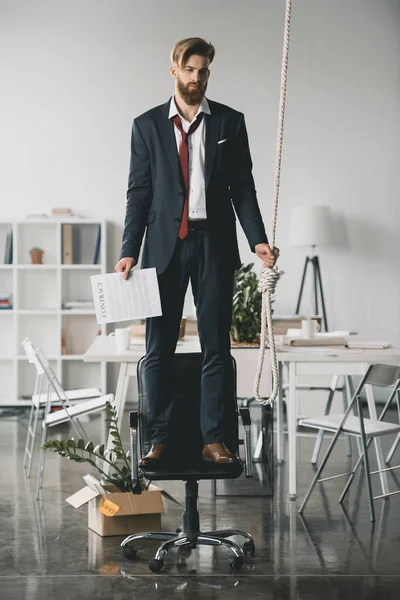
<point>117,299</point>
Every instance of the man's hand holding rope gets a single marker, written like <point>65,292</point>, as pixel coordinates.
<point>268,255</point>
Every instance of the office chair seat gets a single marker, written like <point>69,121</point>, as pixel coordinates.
<point>186,395</point>
<point>203,470</point>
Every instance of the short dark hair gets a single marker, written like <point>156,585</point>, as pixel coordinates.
<point>184,49</point>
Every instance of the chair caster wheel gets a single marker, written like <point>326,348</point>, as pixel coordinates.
<point>156,564</point>
<point>249,548</point>
<point>129,552</point>
<point>236,563</point>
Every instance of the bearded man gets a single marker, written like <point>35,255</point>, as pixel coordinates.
<point>190,176</point>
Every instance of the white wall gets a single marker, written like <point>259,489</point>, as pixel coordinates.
<point>75,73</point>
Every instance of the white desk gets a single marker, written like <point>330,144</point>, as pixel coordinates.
<point>335,361</point>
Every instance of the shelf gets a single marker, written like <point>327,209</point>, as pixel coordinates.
<point>6,311</point>
<point>50,220</point>
<point>7,357</point>
<point>5,403</point>
<point>48,356</point>
<point>78,311</point>
<point>6,266</point>
<point>45,267</point>
<point>71,357</point>
<point>38,311</point>
<point>84,267</point>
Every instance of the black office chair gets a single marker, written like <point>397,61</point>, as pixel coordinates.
<point>186,381</point>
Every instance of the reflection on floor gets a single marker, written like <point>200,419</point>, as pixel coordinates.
<point>47,552</point>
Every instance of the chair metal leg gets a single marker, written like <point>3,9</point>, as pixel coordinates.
<point>320,469</point>
<point>214,541</point>
<point>225,533</point>
<point>149,535</point>
<point>397,440</point>
<point>352,474</point>
<point>346,388</point>
<point>392,449</point>
<point>321,432</point>
<point>366,462</point>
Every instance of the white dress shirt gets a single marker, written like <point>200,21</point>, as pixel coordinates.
<point>196,143</point>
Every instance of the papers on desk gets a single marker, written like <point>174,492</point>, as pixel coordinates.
<point>117,299</point>
<point>332,338</point>
<point>364,343</point>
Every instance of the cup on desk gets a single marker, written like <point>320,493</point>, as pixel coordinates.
<point>309,328</point>
<point>122,338</point>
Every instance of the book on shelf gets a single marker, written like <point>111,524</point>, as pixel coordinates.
<point>97,247</point>
<point>5,300</point>
<point>67,244</point>
<point>87,304</point>
<point>8,250</point>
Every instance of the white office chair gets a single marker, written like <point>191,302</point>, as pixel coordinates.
<point>362,428</point>
<point>90,400</point>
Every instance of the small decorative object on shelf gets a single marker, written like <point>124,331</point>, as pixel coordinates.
<point>36,255</point>
<point>61,212</point>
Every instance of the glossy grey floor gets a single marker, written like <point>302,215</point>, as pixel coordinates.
<point>48,552</point>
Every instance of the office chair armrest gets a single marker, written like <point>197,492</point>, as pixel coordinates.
<point>133,426</point>
<point>246,420</point>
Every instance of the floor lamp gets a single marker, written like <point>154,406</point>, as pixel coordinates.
<point>312,226</point>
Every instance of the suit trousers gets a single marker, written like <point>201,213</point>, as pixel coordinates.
<point>194,259</point>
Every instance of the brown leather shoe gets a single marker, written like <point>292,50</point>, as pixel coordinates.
<point>154,456</point>
<point>219,454</point>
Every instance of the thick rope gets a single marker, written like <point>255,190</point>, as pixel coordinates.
<point>269,277</point>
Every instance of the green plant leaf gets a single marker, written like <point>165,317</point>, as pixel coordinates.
<point>89,447</point>
<point>81,444</point>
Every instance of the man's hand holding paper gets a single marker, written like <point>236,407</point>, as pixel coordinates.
<point>119,298</point>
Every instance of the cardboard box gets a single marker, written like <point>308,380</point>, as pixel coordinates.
<point>120,513</point>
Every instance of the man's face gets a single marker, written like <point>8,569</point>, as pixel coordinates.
<point>192,79</point>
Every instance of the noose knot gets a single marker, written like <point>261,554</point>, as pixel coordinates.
<point>268,280</point>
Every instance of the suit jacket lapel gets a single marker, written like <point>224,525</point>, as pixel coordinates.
<point>168,139</point>
<point>212,131</point>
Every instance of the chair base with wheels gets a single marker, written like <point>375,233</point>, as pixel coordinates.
<point>185,381</point>
<point>186,538</point>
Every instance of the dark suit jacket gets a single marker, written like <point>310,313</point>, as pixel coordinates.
<point>156,188</point>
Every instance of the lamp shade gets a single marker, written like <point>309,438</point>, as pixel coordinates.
<point>311,226</point>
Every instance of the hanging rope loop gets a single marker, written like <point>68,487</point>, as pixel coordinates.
<point>269,277</point>
<point>268,280</point>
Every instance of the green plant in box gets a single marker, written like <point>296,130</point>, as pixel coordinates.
<point>82,451</point>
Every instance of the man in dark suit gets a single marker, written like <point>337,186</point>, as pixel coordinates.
<point>190,172</point>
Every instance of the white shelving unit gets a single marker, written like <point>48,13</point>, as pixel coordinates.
<point>38,293</point>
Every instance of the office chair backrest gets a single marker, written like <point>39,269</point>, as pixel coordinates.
<point>185,390</point>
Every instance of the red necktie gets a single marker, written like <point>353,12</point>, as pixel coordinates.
<point>184,160</point>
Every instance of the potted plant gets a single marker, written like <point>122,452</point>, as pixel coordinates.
<point>83,451</point>
<point>246,312</point>
<point>36,255</point>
